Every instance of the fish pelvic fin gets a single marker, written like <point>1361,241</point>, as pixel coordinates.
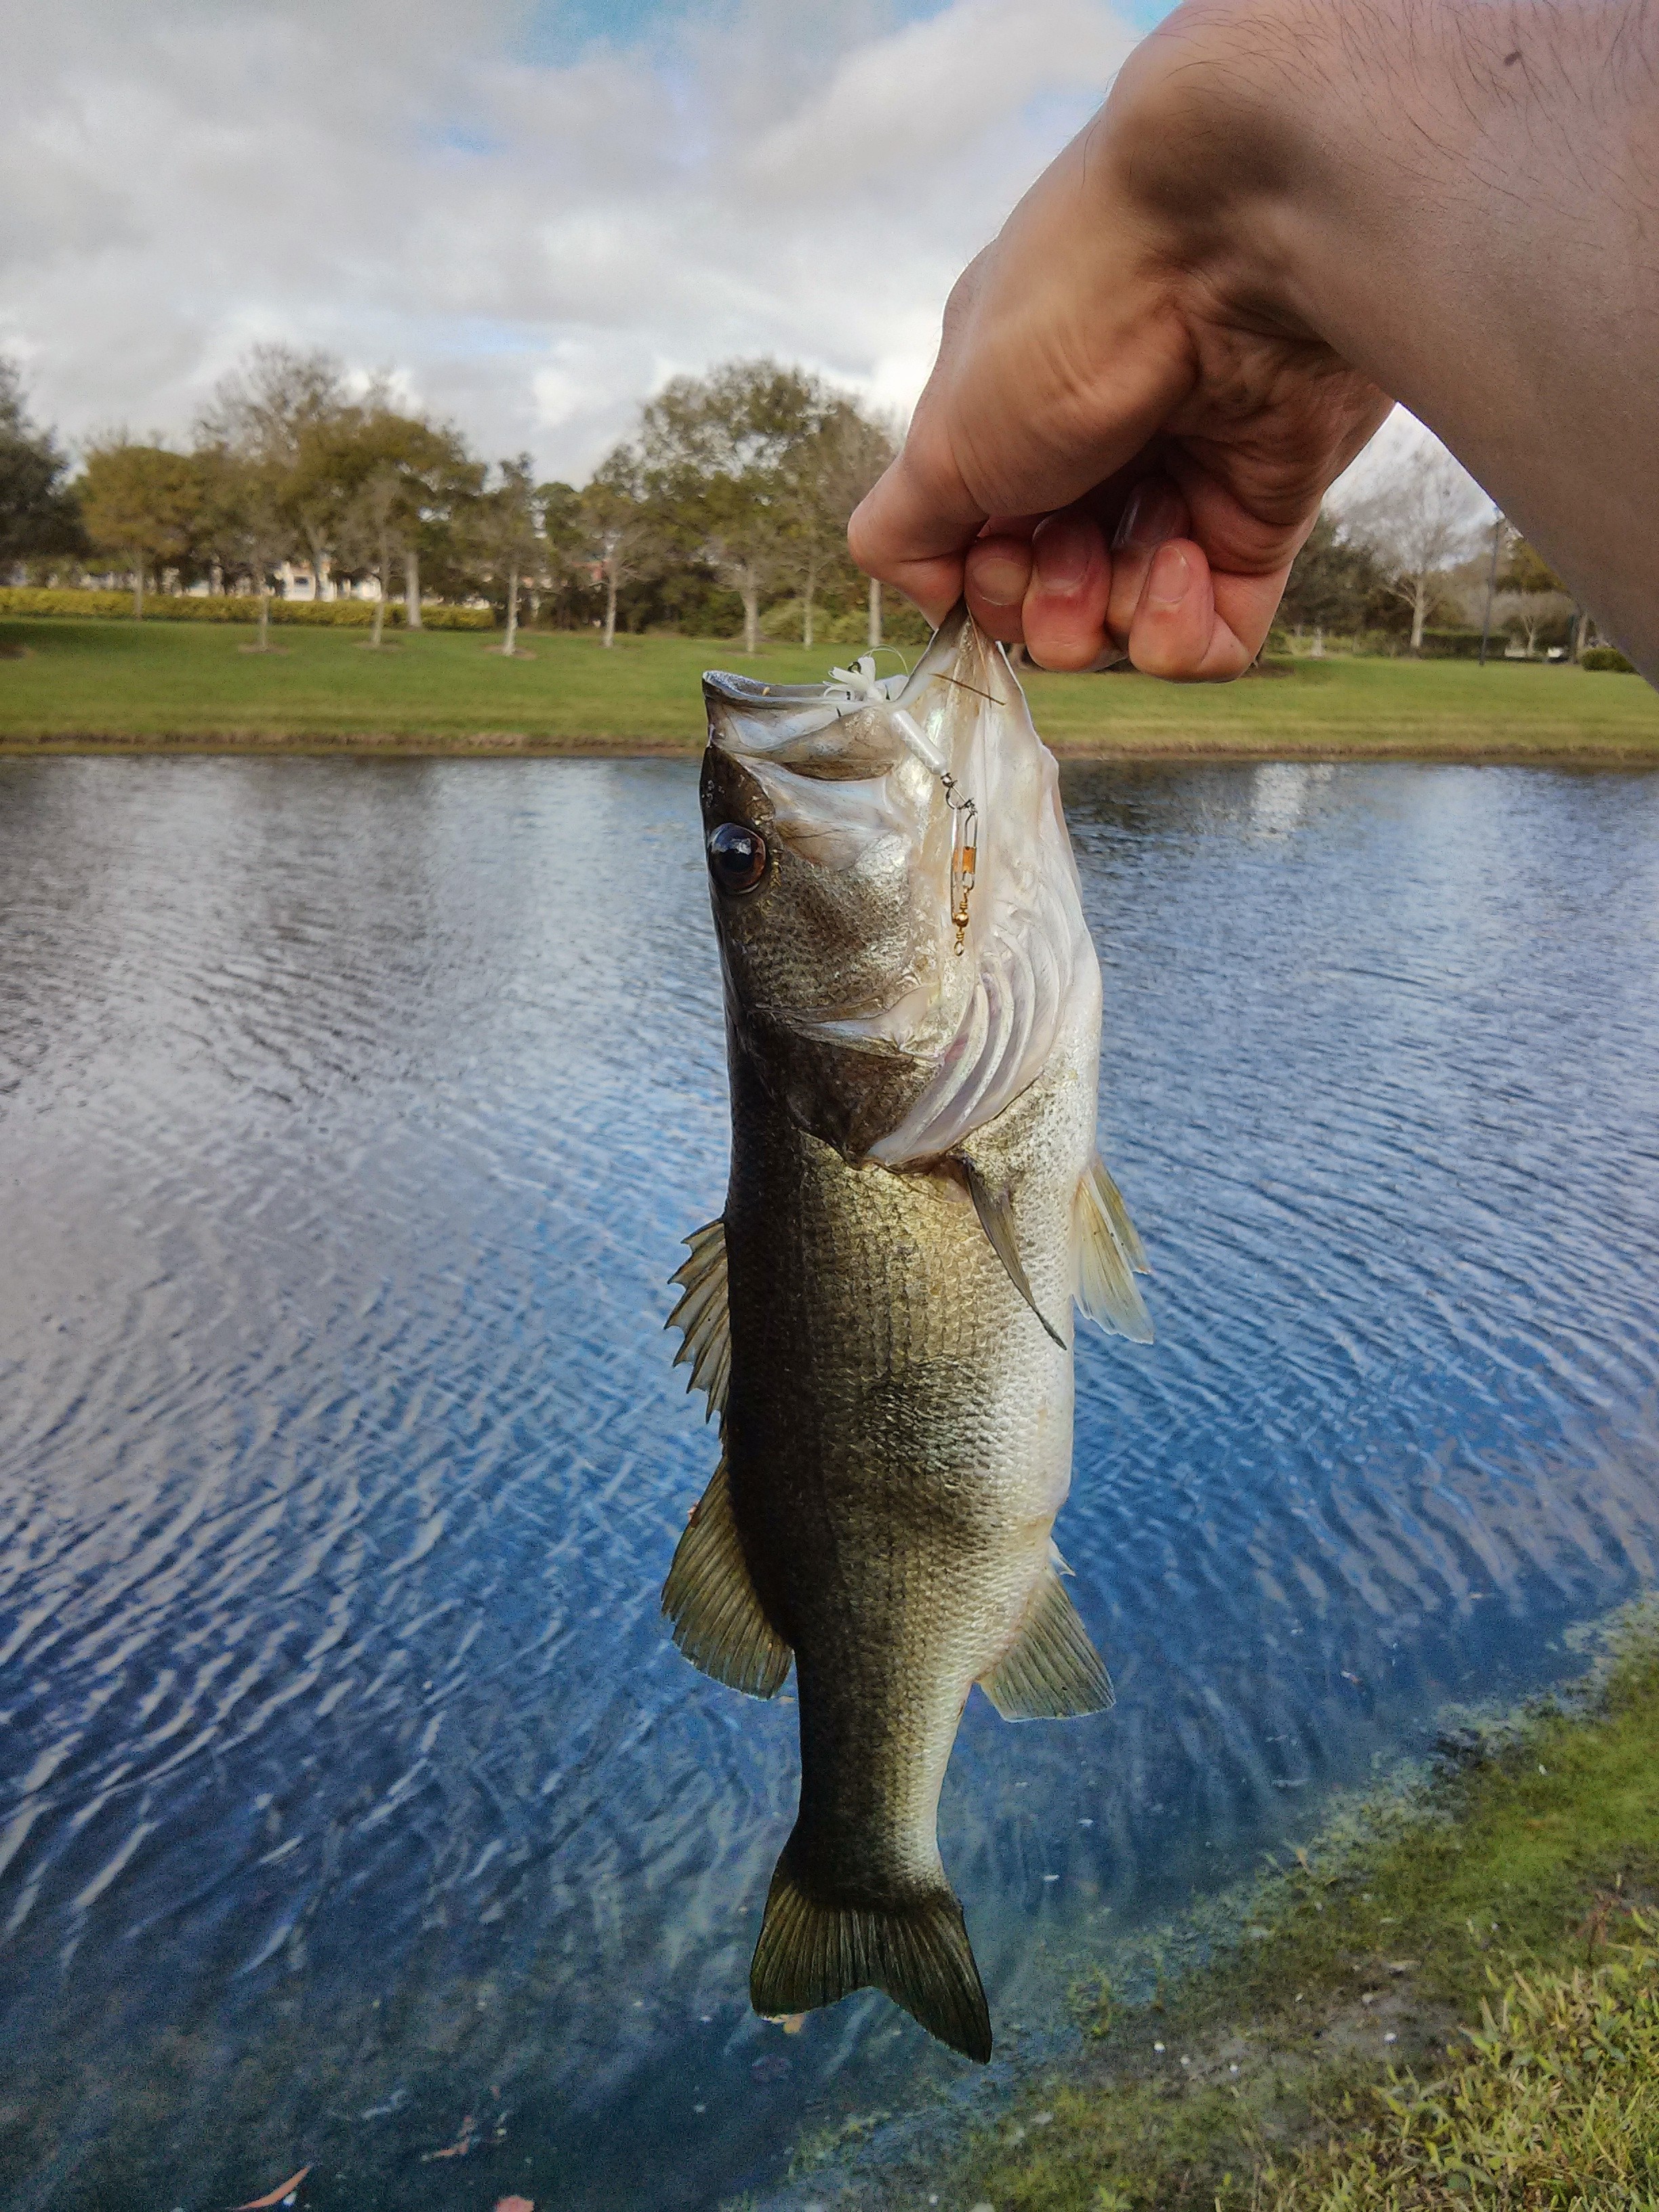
<point>1051,1671</point>
<point>709,1596</point>
<point>815,1949</point>
<point>701,1316</point>
<point>1106,1257</point>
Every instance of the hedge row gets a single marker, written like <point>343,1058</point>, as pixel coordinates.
<point>322,614</point>
<point>1461,645</point>
<point>1609,658</point>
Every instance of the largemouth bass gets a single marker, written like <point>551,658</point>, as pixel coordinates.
<point>881,1316</point>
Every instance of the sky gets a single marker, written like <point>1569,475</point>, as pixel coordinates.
<point>531,213</point>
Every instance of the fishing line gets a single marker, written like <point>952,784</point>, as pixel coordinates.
<point>861,682</point>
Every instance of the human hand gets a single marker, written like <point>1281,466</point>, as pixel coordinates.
<point>1133,419</point>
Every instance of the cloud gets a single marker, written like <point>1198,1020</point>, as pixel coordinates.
<point>532,244</point>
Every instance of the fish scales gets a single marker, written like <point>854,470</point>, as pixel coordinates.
<point>892,1358</point>
<point>924,1419</point>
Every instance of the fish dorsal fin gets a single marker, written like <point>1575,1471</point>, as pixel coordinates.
<point>1106,1257</point>
<point>994,1203</point>
<point>702,1316</point>
<point>710,1598</point>
<point>1050,1672</point>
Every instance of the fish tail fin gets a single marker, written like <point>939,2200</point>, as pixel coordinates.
<point>813,1949</point>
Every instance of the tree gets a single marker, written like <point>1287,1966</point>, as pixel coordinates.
<point>506,535</point>
<point>563,539</point>
<point>1530,595</point>
<point>38,512</point>
<point>717,451</point>
<point>246,523</point>
<point>1424,518</point>
<point>621,527</point>
<point>367,531</point>
<point>283,410</point>
<point>437,479</point>
<point>1333,582</point>
<point>141,503</point>
<point>291,414</point>
<point>827,471</point>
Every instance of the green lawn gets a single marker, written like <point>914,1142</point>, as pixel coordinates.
<point>1460,2008</point>
<point>65,683</point>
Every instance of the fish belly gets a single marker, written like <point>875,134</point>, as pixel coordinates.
<point>898,1441</point>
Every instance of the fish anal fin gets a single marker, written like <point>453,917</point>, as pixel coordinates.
<point>814,1950</point>
<point>994,1203</point>
<point>1106,1256</point>
<point>702,1315</point>
<point>709,1596</point>
<point>1051,1671</point>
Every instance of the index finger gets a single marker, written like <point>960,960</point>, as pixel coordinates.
<point>913,528</point>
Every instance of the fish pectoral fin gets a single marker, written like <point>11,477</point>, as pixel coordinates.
<point>702,1315</point>
<point>1051,1671</point>
<point>710,1598</point>
<point>1106,1257</point>
<point>994,1203</point>
<point>813,1949</point>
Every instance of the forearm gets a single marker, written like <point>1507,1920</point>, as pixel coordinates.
<point>1462,201</point>
<point>1288,213</point>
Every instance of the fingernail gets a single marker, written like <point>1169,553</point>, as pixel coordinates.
<point>1154,513</point>
<point>1167,582</point>
<point>1065,547</point>
<point>1000,579</point>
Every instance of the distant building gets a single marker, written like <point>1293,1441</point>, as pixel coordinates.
<point>296,579</point>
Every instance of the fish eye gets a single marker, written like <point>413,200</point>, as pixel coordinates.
<point>737,856</point>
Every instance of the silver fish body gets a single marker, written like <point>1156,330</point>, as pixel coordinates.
<point>881,1315</point>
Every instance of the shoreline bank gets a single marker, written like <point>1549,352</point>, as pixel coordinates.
<point>1397,2016</point>
<point>1449,752</point>
<point>80,687</point>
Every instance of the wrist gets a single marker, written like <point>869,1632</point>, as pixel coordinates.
<point>1218,129</point>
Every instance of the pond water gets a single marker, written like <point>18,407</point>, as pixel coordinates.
<point>354,1806</point>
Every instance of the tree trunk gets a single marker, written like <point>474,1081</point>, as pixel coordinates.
<point>511,646</point>
<point>383,578</point>
<point>319,565</point>
<point>875,615</point>
<point>609,636</point>
<point>808,594</point>
<point>412,585</point>
<point>137,589</point>
<point>264,612</point>
<point>750,620</point>
<point>1420,611</point>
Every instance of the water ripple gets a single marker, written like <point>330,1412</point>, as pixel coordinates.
<point>349,1122</point>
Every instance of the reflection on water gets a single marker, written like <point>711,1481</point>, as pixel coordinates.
<point>350,1119</point>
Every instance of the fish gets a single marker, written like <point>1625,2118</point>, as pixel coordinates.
<point>881,1317</point>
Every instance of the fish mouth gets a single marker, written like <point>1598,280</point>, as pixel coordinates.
<point>856,725</point>
<point>725,685</point>
<point>823,731</point>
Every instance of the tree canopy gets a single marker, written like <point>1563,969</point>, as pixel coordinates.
<point>38,513</point>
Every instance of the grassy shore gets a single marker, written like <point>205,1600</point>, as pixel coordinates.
<point>70,685</point>
<point>1455,2004</point>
